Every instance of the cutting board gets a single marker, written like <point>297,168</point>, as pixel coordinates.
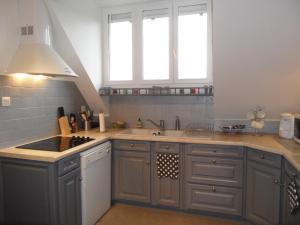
<point>64,125</point>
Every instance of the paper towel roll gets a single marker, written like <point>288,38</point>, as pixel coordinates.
<point>102,122</point>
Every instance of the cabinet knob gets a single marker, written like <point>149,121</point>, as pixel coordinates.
<point>276,181</point>
<point>213,189</point>
<point>262,156</point>
<point>213,161</point>
<point>108,151</point>
<point>167,147</point>
<point>132,145</point>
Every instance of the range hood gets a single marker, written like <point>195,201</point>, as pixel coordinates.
<point>35,54</point>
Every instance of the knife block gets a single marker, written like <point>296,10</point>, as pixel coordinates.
<point>64,125</point>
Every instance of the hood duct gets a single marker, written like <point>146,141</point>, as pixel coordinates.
<point>35,54</point>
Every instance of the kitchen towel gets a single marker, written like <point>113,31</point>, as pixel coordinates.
<point>167,165</point>
<point>293,195</point>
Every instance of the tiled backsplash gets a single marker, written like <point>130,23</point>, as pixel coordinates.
<point>33,113</point>
<point>191,109</point>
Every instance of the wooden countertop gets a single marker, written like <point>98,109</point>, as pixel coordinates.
<point>269,143</point>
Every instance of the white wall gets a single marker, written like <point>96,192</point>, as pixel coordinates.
<point>9,31</point>
<point>77,38</point>
<point>81,22</point>
<point>256,51</point>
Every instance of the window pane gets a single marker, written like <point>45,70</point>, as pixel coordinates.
<point>192,46</point>
<point>121,51</point>
<point>156,48</point>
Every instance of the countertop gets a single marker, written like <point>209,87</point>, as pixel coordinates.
<point>269,143</point>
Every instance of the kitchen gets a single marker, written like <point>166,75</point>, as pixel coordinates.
<point>149,112</point>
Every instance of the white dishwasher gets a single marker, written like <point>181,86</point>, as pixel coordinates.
<point>96,182</point>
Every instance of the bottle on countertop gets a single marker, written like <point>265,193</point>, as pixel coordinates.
<point>139,123</point>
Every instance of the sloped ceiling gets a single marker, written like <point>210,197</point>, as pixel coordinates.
<point>76,37</point>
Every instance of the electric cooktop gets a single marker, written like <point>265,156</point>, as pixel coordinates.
<point>57,144</point>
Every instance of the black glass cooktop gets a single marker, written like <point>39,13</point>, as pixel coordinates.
<point>57,144</point>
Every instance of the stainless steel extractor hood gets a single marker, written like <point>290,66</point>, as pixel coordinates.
<point>35,54</point>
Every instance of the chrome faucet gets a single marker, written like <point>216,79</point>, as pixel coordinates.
<point>160,126</point>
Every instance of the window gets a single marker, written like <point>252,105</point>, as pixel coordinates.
<point>167,42</point>
<point>192,42</point>
<point>120,43</point>
<point>156,45</point>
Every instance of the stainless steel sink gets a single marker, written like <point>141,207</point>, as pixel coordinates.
<point>168,133</point>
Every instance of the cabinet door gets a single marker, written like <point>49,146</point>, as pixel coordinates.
<point>165,190</point>
<point>69,188</point>
<point>132,176</point>
<point>28,192</point>
<point>263,194</point>
<point>1,196</point>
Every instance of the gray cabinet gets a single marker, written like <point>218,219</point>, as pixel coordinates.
<point>132,175</point>
<point>1,196</point>
<point>216,199</point>
<point>263,194</point>
<point>29,192</point>
<point>41,193</point>
<point>213,170</point>
<point>69,193</point>
<point>214,178</point>
<point>290,174</point>
<point>166,191</point>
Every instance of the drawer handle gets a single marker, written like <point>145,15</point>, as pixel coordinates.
<point>132,145</point>
<point>214,151</point>
<point>213,161</point>
<point>167,147</point>
<point>213,189</point>
<point>262,156</point>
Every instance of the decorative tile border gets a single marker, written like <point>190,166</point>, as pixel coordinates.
<point>158,91</point>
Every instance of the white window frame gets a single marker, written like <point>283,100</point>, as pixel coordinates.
<point>136,11</point>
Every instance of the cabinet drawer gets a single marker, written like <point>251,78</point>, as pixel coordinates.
<point>265,158</point>
<point>132,145</point>
<point>217,171</point>
<point>68,164</point>
<point>215,151</point>
<point>167,147</point>
<point>214,199</point>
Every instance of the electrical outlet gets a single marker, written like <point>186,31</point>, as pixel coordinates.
<point>6,101</point>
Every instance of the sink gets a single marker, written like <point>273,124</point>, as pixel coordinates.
<point>168,133</point>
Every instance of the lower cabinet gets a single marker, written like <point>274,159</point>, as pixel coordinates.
<point>290,175</point>
<point>214,179</point>
<point>69,193</point>
<point>28,189</point>
<point>263,194</point>
<point>37,193</point>
<point>132,176</point>
<point>166,190</point>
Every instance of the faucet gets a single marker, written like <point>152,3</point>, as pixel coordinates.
<point>160,126</point>
<point>177,123</point>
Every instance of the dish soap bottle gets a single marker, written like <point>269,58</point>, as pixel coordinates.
<point>139,123</point>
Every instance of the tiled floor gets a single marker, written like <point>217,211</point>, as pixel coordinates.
<point>121,214</point>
